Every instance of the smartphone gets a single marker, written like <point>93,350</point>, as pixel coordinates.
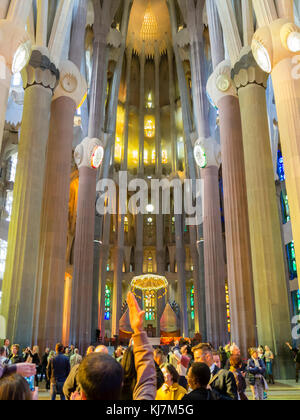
<point>30,382</point>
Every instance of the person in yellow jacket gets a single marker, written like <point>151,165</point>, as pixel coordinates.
<point>170,390</point>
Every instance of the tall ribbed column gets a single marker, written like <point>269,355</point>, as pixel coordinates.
<point>139,219</point>
<point>19,284</point>
<point>82,287</point>
<point>142,110</point>
<point>181,286</point>
<point>119,250</point>
<point>215,33</point>
<point>172,109</point>
<point>214,265</point>
<point>104,255</point>
<point>54,226</point>
<point>272,310</point>
<point>265,11</point>
<point>157,112</point>
<point>286,83</point>
<point>285,9</point>
<point>239,263</point>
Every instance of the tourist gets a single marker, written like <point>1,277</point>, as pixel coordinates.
<point>217,359</point>
<point>72,350</point>
<point>171,390</point>
<point>129,375</point>
<point>15,388</point>
<point>296,353</point>
<point>44,365</point>
<point>269,358</point>
<point>223,357</point>
<point>256,371</point>
<point>67,353</point>
<point>236,366</point>
<point>14,357</point>
<point>198,380</point>
<point>100,376</point>
<point>33,357</point>
<point>118,354</point>
<point>76,359</point>
<point>159,362</point>
<point>3,357</point>
<point>6,346</point>
<point>236,352</point>
<point>222,382</point>
<point>183,362</point>
<point>71,384</point>
<point>58,371</point>
<point>101,349</point>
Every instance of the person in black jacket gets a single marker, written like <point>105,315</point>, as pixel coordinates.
<point>44,365</point>
<point>221,382</point>
<point>159,362</point>
<point>15,357</point>
<point>198,380</point>
<point>58,370</point>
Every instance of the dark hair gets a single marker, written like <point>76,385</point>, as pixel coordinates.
<point>130,375</point>
<point>100,377</point>
<point>59,348</point>
<point>201,374</point>
<point>173,372</point>
<point>2,350</point>
<point>14,388</point>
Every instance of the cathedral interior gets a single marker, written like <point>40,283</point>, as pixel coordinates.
<point>165,90</point>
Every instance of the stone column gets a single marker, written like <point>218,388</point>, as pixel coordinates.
<point>272,309</point>
<point>14,41</point>
<point>172,109</point>
<point>284,68</point>
<point>157,111</point>
<point>215,33</point>
<point>181,284</point>
<point>19,284</point>
<point>52,258</point>
<point>88,161</point>
<point>104,254</point>
<point>239,263</point>
<point>142,110</point>
<point>214,266</point>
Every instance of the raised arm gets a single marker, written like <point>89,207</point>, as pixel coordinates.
<point>145,388</point>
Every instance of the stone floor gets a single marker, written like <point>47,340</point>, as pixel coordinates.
<point>283,391</point>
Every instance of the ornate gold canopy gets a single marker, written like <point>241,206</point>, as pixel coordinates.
<point>149,282</point>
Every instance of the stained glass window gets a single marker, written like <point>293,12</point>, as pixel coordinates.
<point>107,303</point>
<point>285,207</point>
<point>192,303</point>
<point>280,166</point>
<point>290,249</point>
<point>150,305</point>
<point>228,308</point>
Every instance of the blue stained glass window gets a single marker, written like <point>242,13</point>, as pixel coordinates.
<point>107,303</point>
<point>291,260</point>
<point>280,166</point>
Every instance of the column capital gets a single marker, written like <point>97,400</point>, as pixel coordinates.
<point>276,42</point>
<point>40,70</point>
<point>207,152</point>
<point>89,153</point>
<point>220,83</point>
<point>15,45</point>
<point>71,84</point>
<point>246,71</point>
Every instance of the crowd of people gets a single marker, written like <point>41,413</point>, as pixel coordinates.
<point>138,372</point>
